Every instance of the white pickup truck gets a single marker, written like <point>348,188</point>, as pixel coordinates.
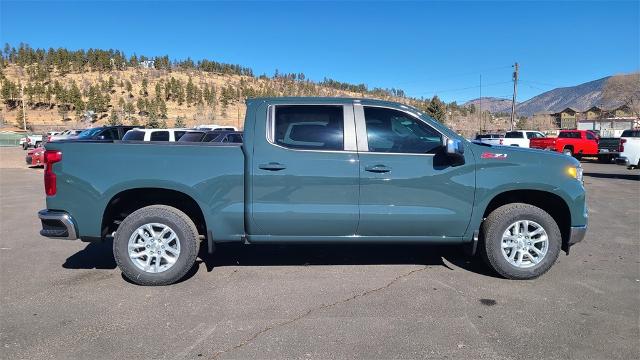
<point>32,140</point>
<point>629,149</point>
<point>519,138</point>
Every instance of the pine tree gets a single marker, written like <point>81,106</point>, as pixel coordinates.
<point>179,123</point>
<point>436,109</point>
<point>113,119</point>
<point>144,91</point>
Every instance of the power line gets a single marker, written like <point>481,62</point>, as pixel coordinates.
<point>453,75</point>
<point>464,88</point>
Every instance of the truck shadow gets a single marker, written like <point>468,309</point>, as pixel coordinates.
<point>99,255</point>
<point>631,176</point>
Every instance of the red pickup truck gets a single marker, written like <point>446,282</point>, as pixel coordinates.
<point>570,142</point>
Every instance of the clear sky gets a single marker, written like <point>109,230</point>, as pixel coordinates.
<point>425,48</point>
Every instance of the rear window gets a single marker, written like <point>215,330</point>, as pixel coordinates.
<point>192,136</point>
<point>569,135</point>
<point>631,133</point>
<point>134,135</point>
<point>159,136</point>
<point>513,135</point>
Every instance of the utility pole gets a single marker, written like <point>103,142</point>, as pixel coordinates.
<point>515,92</point>
<point>24,114</point>
<point>481,104</point>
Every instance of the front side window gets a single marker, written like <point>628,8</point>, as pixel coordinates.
<point>159,136</point>
<point>192,136</point>
<point>311,127</point>
<point>134,135</point>
<point>590,136</point>
<point>393,131</point>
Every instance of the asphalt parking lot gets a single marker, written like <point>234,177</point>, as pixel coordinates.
<point>67,299</point>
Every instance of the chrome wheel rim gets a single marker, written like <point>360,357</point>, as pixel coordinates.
<point>154,248</point>
<point>525,244</point>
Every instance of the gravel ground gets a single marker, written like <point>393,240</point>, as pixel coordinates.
<point>67,300</point>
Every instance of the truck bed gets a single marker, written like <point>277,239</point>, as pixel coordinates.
<point>92,173</point>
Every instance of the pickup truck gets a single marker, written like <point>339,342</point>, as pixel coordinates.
<point>576,143</point>
<point>629,149</point>
<point>31,140</point>
<point>315,170</point>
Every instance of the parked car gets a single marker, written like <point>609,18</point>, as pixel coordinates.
<point>314,170</point>
<point>35,156</point>
<point>608,149</point>
<point>493,139</point>
<point>629,149</point>
<point>155,134</point>
<point>221,136</point>
<point>521,138</point>
<point>67,134</point>
<point>576,143</point>
<point>31,140</point>
<point>103,133</point>
<point>216,127</point>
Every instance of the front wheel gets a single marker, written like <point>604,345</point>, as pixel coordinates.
<point>25,146</point>
<point>156,245</point>
<point>521,241</point>
<point>567,151</point>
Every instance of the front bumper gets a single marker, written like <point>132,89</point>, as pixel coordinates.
<point>577,234</point>
<point>621,160</point>
<point>57,225</point>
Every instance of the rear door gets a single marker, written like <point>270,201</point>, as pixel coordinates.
<point>407,187</point>
<point>304,173</point>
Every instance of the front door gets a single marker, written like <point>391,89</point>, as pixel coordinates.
<point>305,172</point>
<point>407,188</point>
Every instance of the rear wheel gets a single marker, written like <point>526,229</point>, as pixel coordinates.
<point>567,151</point>
<point>156,245</point>
<point>25,146</point>
<point>521,241</point>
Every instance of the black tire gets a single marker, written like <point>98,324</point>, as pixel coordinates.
<point>183,227</point>
<point>567,151</point>
<point>497,223</point>
<point>25,146</point>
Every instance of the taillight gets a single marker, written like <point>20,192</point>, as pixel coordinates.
<point>50,157</point>
<point>621,146</point>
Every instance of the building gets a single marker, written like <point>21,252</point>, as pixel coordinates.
<point>566,119</point>
<point>608,122</point>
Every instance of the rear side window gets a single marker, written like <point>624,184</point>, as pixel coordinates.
<point>312,127</point>
<point>394,131</point>
<point>194,136</point>
<point>631,133</point>
<point>134,135</point>
<point>159,136</point>
<point>513,135</point>
<point>569,135</point>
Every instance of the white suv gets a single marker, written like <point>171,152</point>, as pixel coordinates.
<point>154,134</point>
<point>520,138</point>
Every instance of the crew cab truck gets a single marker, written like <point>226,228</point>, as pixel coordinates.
<point>629,149</point>
<point>315,170</point>
<point>576,143</point>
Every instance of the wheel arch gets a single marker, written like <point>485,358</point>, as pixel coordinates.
<point>551,203</point>
<point>123,203</point>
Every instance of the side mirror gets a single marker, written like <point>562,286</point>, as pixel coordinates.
<point>101,137</point>
<point>454,150</point>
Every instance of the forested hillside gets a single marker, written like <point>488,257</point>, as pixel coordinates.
<point>65,88</point>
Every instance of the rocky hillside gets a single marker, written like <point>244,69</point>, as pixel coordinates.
<point>491,104</point>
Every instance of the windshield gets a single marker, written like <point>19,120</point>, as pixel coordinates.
<point>89,133</point>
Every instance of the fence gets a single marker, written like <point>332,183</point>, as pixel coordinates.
<point>10,138</point>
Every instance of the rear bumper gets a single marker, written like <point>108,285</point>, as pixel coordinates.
<point>57,225</point>
<point>577,234</point>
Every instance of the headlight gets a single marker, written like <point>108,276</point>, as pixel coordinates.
<point>575,172</point>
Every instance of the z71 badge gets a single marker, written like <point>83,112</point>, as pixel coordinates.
<point>488,155</point>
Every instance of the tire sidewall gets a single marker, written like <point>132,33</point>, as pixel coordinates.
<point>183,230</point>
<point>493,239</point>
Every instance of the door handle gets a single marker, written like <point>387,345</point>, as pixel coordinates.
<point>378,169</point>
<point>272,166</point>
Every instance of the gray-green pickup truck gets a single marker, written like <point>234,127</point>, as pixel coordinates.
<point>315,170</point>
